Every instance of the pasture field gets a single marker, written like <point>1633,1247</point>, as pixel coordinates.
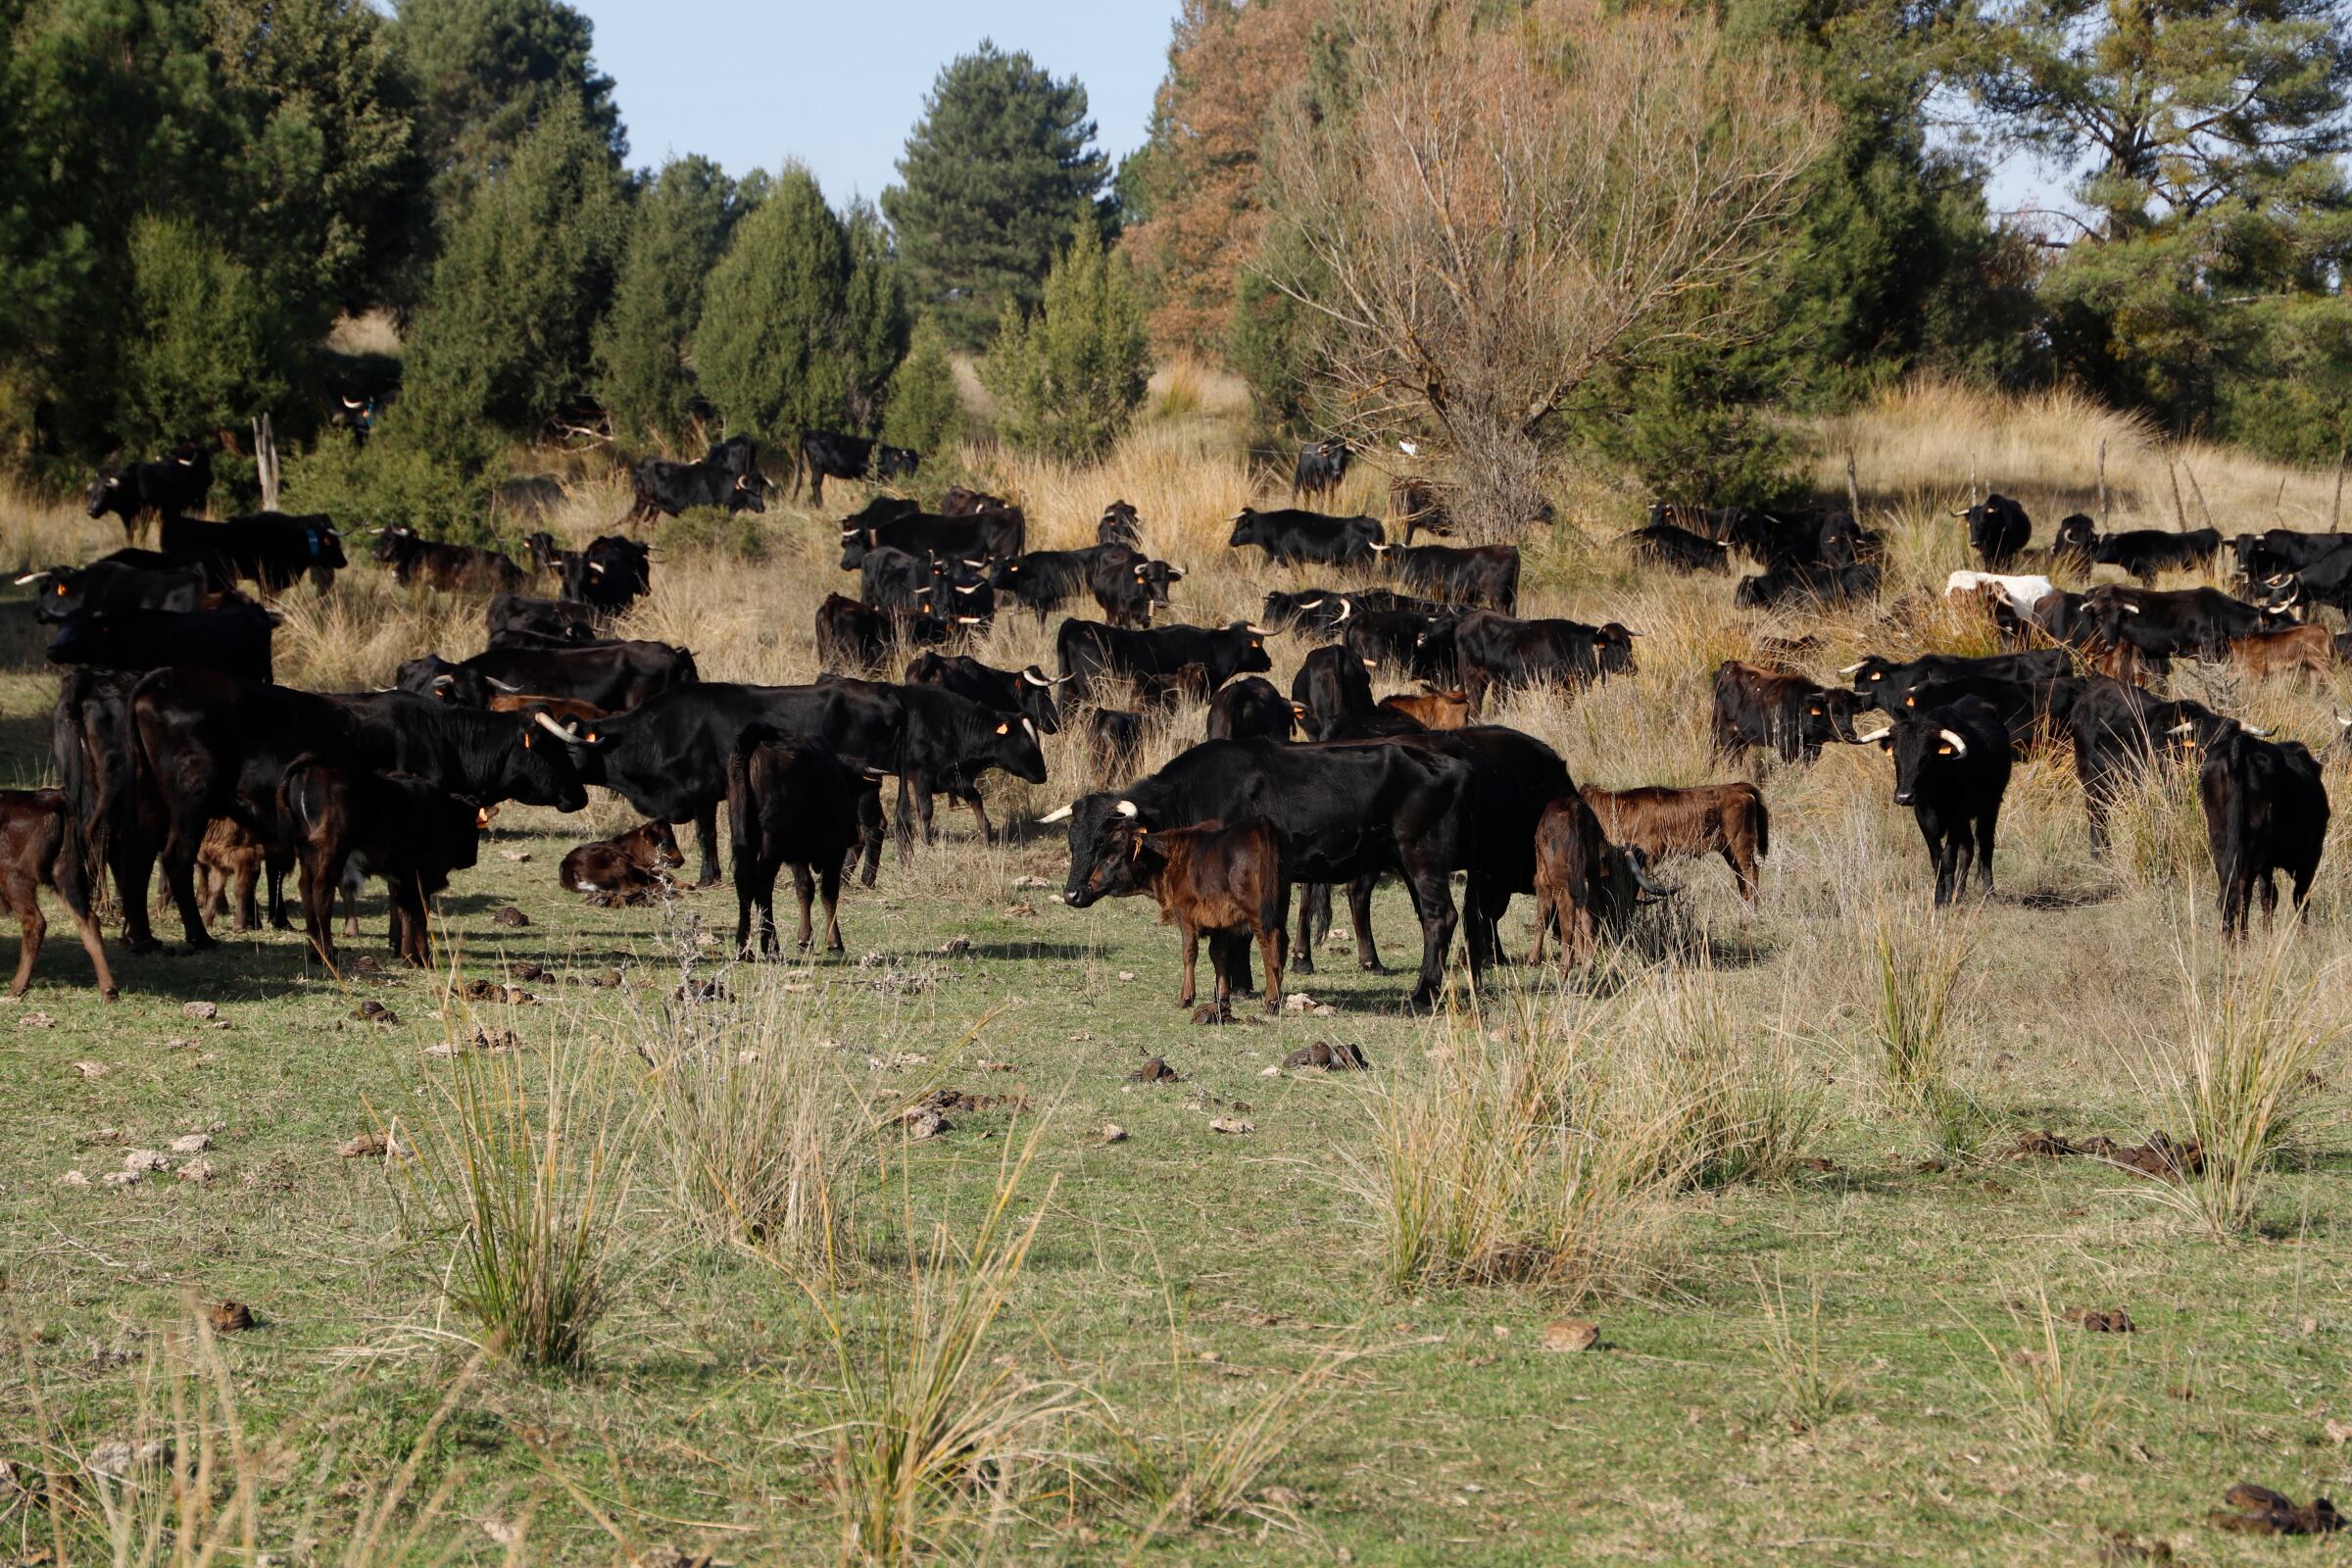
<point>1769,1155</point>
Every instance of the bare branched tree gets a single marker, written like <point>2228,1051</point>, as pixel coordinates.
<point>1495,203</point>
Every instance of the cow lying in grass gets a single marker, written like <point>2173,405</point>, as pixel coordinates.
<point>632,868</point>
<point>1725,819</point>
<point>40,847</point>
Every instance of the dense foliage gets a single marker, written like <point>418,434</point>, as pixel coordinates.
<point>1069,378</point>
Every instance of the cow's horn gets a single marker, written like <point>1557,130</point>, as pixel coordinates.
<point>2258,734</point>
<point>1061,815</point>
<point>2183,728</point>
<point>1959,742</point>
<point>1347,608</point>
<point>1035,677</point>
<point>970,620</point>
<point>553,728</point>
<point>498,685</point>
<point>1875,735</point>
<point>1638,862</point>
<point>1127,808</point>
<point>1303,609</point>
<point>1380,550</point>
<point>30,576</point>
<point>966,588</point>
<point>1853,669</point>
<point>1258,630</point>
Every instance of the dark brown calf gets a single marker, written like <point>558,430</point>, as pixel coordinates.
<point>1434,710</point>
<point>1666,824</point>
<point>1584,885</point>
<point>407,830</point>
<point>230,858</point>
<point>1226,881</point>
<point>790,802</point>
<point>40,847</point>
<point>632,868</point>
<point>2310,648</point>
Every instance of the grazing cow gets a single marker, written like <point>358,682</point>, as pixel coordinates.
<point>1114,739</point>
<point>1998,529</point>
<point>41,846</point>
<point>1043,580</point>
<point>1882,682</point>
<point>981,536</point>
<point>2119,730</point>
<point>1399,640</point>
<point>1313,611</point>
<point>236,640</point>
<point>630,869</point>
<point>1951,768</point>
<point>2282,552</point>
<point>61,591</point>
<point>2189,622</point>
<point>409,831</point>
<point>726,477</point>
<point>2141,551</point>
<point>1120,524</point>
<point>828,455</point>
<point>2020,594</point>
<point>1785,713</point>
<point>2265,811</point>
<point>1664,824</point>
<point>612,675</point>
<point>1340,811</point>
<point>454,569</point>
<point>1678,549</point>
<point>2309,649</point>
<point>851,635</point>
<point>512,619</point>
<point>1017,694</point>
<point>1248,708</point>
<point>1802,580</point>
<point>1420,507</point>
<point>1486,575</point>
<point>1496,652</point>
<point>1321,465</point>
<point>1290,537</point>
<point>1226,881</point>
<point>790,802</point>
<point>169,487</point>
<point>1586,887</point>
<point>2327,580</point>
<point>1090,650</point>
<point>268,548</point>
<point>1433,710</point>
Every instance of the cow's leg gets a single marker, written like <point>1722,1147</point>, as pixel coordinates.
<point>27,902</point>
<point>1935,856</point>
<point>180,874</point>
<point>988,831</point>
<point>1438,924</point>
<point>1232,960</point>
<point>828,884</point>
<point>924,801</point>
<point>1543,918</point>
<point>905,825</point>
<point>1314,920</point>
<point>131,859</point>
<point>1269,952</point>
<point>706,838</point>
<point>804,889</point>
<point>1192,959</point>
<point>1359,914</point>
<point>249,879</point>
<point>275,863</point>
<point>2302,875</point>
<point>754,892</point>
<point>322,875</point>
<point>2269,884</point>
<point>409,920</point>
<point>1986,826</point>
<point>86,926</point>
<point>1740,855</point>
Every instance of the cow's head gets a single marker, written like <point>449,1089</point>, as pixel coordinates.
<point>1245,529</point>
<point>552,763</point>
<point>1828,716</point>
<point>395,541</point>
<point>1613,649</point>
<point>1039,696</point>
<point>106,494</point>
<point>1921,748</point>
<point>653,844</point>
<point>56,592</point>
<point>748,492</point>
<point>436,677</point>
<point>855,544</point>
<point>2192,729</point>
<point>1251,642</point>
<point>1870,675</point>
<point>2076,532</point>
<point>1106,834</point>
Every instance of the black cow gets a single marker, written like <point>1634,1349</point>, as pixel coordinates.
<point>207,745</point>
<point>851,635</point>
<point>63,591</point>
<point>1320,468</point>
<point>2326,580</point>
<point>1017,694</point>
<point>235,640</point>
<point>2119,731</point>
<point>829,454</point>
<point>2265,811</point>
<point>1421,506</point>
<point>91,742</point>
<point>1496,651</point>
<point>1882,682</point>
<point>2023,708</point>
<point>1114,739</point>
<point>1951,768</point>
<point>2188,622</point>
<point>174,486</point>
<point>662,488</point>
<point>1312,610</point>
<point>2278,552</point>
<point>1484,574</point>
<point>611,675</point>
<point>790,802</point>
<point>1400,639</point>
<point>1779,541</point>
<point>1998,529</point>
<point>267,547</point>
<point>406,829</point>
<point>890,578</point>
<point>510,616</point>
<point>413,558</point>
<point>1678,549</point>
<point>1120,524</point>
<point>1292,537</point>
<point>979,537</point>
<point>2141,551</point>
<point>1042,581</point>
<point>1090,650</point>
<point>1774,708</point>
<point>1250,709</point>
<point>611,572</point>
<point>1786,584</point>
<point>2066,617</point>
<point>1330,686</point>
<point>1341,811</point>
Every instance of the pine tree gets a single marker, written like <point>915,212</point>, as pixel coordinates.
<point>1069,378</point>
<point>678,229</point>
<point>874,319</point>
<point>209,345</point>
<point>995,172</point>
<point>767,351</point>
<point>504,337</point>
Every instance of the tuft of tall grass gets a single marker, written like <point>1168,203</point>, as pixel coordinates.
<point>938,1440</point>
<point>2156,827</point>
<point>2055,1398</point>
<point>1510,1159</point>
<point>528,1161</point>
<point>1737,1101</point>
<point>1917,962</point>
<point>2237,1076</point>
<point>1806,1387</point>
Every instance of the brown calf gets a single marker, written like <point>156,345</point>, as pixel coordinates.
<point>1434,710</point>
<point>1584,885</point>
<point>1224,880</point>
<point>633,868</point>
<point>560,710</point>
<point>2310,648</point>
<point>228,857</point>
<point>40,847</point>
<point>1665,824</point>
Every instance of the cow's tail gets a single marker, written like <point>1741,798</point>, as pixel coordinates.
<point>1509,596</point>
<point>1762,817</point>
<point>69,745</point>
<point>64,860</point>
<point>1272,907</point>
<point>292,801</point>
<point>743,812</point>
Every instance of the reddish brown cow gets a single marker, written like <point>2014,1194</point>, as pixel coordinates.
<point>1433,710</point>
<point>2310,648</point>
<point>632,868</point>
<point>1665,824</point>
<point>230,858</point>
<point>1226,881</point>
<point>1584,885</point>
<point>40,847</point>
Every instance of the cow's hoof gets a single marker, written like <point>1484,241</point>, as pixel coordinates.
<point>1371,967</point>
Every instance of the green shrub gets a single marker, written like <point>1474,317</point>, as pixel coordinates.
<point>712,531</point>
<point>1069,379</point>
<point>388,483</point>
<point>926,410</point>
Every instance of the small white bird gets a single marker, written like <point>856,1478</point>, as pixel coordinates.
<point>1411,449</point>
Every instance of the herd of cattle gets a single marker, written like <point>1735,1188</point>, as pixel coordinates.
<point>173,746</point>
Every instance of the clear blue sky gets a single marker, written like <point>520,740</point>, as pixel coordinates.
<point>837,85</point>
